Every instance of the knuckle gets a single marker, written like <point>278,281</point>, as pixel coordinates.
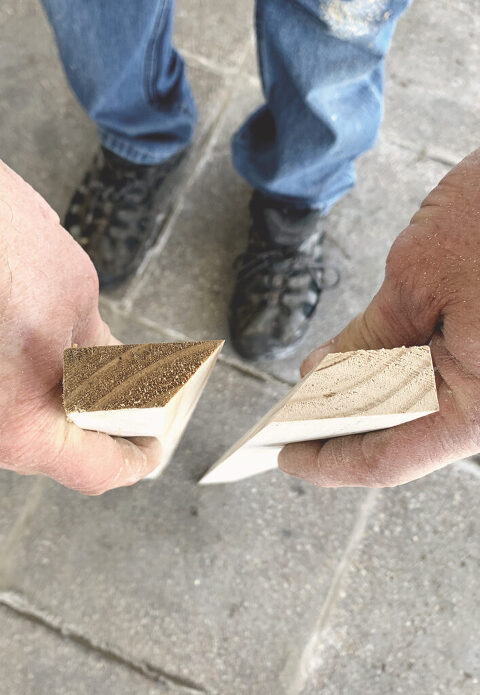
<point>377,470</point>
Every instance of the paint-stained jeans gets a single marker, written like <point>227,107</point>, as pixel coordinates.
<point>321,63</point>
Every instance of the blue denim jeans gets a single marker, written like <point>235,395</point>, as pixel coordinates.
<point>321,63</point>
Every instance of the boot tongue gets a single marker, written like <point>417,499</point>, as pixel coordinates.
<point>281,225</point>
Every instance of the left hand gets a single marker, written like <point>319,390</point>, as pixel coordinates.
<point>430,296</point>
<point>48,301</point>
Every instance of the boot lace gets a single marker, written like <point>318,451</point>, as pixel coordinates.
<point>284,264</point>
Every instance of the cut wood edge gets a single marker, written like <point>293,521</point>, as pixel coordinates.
<point>257,451</point>
<point>183,408</point>
<point>166,423</point>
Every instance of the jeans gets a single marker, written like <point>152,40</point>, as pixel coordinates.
<point>321,63</point>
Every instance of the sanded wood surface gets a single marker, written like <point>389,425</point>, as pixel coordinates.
<point>346,393</point>
<point>137,390</point>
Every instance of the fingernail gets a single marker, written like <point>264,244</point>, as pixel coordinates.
<point>315,357</point>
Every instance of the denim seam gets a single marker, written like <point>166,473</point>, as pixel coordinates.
<point>150,62</point>
<point>125,149</point>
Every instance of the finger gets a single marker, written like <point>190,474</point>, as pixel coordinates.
<point>422,273</point>
<point>376,459</point>
<point>94,331</point>
<point>93,462</point>
<point>404,311</point>
<point>385,458</point>
<point>103,334</point>
<point>386,323</point>
<point>316,356</point>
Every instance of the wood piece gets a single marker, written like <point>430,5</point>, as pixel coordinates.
<point>346,393</point>
<point>137,390</point>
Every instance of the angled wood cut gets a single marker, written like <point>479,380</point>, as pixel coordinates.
<point>346,393</point>
<point>137,390</point>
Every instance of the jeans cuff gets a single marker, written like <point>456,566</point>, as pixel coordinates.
<point>148,156</point>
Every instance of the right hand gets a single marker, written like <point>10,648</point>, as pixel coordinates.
<point>430,296</point>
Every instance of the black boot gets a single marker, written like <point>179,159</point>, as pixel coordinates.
<point>113,214</point>
<point>280,279</point>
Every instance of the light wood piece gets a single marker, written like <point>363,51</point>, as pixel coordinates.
<point>137,390</point>
<point>345,394</point>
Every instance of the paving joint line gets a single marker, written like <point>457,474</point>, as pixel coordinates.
<point>332,240</point>
<point>309,657</point>
<point>254,373</point>
<point>447,158</point>
<point>20,605</point>
<point>230,361</point>
<point>197,60</point>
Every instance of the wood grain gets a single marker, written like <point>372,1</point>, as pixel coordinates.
<point>345,394</point>
<point>137,390</point>
<point>130,376</point>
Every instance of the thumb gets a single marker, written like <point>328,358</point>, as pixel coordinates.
<point>402,313</point>
<point>93,462</point>
<point>423,272</point>
<point>97,332</point>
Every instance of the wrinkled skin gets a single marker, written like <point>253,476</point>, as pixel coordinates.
<point>430,295</point>
<point>49,301</point>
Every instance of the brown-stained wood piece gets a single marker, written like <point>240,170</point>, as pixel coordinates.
<point>109,377</point>
<point>346,393</point>
<point>137,390</point>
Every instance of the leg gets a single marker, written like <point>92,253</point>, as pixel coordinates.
<point>120,63</point>
<point>322,71</point>
<point>321,63</point>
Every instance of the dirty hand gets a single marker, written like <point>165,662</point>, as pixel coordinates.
<point>48,301</point>
<point>430,295</point>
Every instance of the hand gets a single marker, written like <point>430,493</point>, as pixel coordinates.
<point>430,295</point>
<point>48,301</point>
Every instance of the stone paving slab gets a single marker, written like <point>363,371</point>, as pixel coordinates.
<point>408,620</point>
<point>391,184</point>
<point>451,133</point>
<point>14,492</point>
<point>217,586</point>
<point>435,46</point>
<point>36,661</point>
<point>431,87</point>
<point>214,30</point>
